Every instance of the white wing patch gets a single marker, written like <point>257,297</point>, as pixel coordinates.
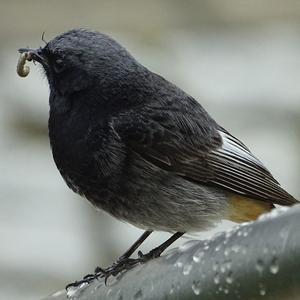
<point>234,148</point>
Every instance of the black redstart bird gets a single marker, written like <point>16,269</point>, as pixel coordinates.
<point>140,148</point>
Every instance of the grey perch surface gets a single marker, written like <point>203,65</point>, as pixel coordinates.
<point>258,260</point>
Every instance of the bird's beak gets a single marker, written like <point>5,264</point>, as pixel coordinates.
<point>35,55</point>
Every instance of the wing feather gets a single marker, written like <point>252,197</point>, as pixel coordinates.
<point>200,152</point>
<point>236,168</point>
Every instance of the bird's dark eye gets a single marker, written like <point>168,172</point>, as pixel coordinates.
<point>58,65</point>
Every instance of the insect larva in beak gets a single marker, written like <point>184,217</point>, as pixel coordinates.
<point>23,70</point>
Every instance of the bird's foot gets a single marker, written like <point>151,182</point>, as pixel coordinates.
<point>154,253</point>
<point>85,280</point>
<point>122,264</point>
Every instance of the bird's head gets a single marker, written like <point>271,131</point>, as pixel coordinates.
<point>78,59</point>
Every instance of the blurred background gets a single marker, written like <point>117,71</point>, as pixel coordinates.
<point>240,59</point>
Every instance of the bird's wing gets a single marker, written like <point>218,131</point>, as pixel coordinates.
<point>237,169</point>
<point>201,153</point>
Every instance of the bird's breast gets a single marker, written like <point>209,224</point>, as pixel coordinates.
<point>67,135</point>
<point>89,155</point>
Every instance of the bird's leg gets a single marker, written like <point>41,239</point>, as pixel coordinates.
<point>124,262</point>
<point>156,252</point>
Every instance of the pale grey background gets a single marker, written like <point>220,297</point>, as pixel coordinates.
<point>241,59</point>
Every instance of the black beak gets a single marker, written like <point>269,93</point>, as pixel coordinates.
<point>35,55</point>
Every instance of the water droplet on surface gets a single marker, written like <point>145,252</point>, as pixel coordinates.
<point>226,291</point>
<point>108,292</point>
<point>229,278</point>
<point>72,290</point>
<point>235,248</point>
<point>197,257</point>
<point>265,250</point>
<point>274,267</point>
<point>226,252</point>
<point>217,248</point>
<point>228,264</point>
<point>227,236</point>
<point>179,262</point>
<point>262,289</point>
<point>196,287</point>
<point>172,289</point>
<point>138,295</point>
<point>246,232</point>
<point>225,265</point>
<point>259,265</point>
<point>187,269</point>
<point>223,268</point>
<point>215,266</point>
<point>217,278</point>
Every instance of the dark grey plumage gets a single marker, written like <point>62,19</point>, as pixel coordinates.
<point>139,147</point>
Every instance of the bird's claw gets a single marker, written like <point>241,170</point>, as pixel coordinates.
<point>122,264</point>
<point>86,280</point>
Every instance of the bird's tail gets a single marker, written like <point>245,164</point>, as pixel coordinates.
<point>243,209</point>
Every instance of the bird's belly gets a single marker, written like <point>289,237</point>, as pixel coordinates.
<point>151,198</point>
<point>142,194</point>
<point>180,206</point>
